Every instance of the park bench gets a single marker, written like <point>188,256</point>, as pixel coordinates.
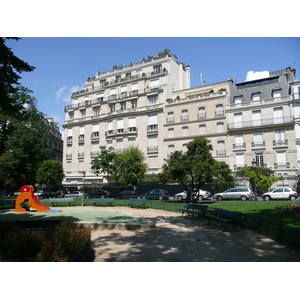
<point>103,200</point>
<point>37,225</point>
<point>61,200</point>
<point>137,201</point>
<point>224,215</point>
<point>194,209</point>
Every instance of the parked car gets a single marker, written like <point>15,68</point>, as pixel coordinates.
<point>100,194</point>
<point>281,194</point>
<point>199,195</point>
<point>46,195</point>
<point>235,194</point>
<point>126,194</point>
<point>38,193</point>
<point>74,194</point>
<point>159,194</point>
<point>16,193</point>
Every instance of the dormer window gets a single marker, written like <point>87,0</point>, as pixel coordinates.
<point>256,96</point>
<point>276,93</point>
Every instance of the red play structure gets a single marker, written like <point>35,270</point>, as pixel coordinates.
<point>28,196</point>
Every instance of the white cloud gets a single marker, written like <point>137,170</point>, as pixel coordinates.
<point>74,88</point>
<point>257,75</point>
<point>59,93</point>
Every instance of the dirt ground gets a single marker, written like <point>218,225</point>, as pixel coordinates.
<point>184,239</point>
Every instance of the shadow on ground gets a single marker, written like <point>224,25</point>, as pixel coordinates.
<point>185,239</point>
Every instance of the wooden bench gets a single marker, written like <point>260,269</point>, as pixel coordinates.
<point>103,200</point>
<point>224,215</point>
<point>61,200</point>
<point>37,225</point>
<point>137,201</point>
<point>194,209</point>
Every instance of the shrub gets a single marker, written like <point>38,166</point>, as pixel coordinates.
<point>289,207</point>
<point>68,239</point>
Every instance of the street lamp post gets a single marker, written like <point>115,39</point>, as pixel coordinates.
<point>255,187</point>
<point>83,187</point>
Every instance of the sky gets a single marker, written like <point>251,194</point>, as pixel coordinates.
<point>62,64</point>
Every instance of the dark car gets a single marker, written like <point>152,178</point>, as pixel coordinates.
<point>126,194</point>
<point>46,195</point>
<point>100,194</point>
<point>159,194</point>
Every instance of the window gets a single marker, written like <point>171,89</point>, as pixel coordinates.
<point>240,160</point>
<point>171,149</point>
<point>152,123</point>
<point>152,143</point>
<point>123,105</point>
<point>170,119</point>
<point>256,118</point>
<point>279,137</point>
<point>112,107</point>
<point>154,85</point>
<point>185,131</point>
<point>257,139</point>
<point>95,130</point>
<point>83,113</point>
<point>221,148</point>
<point>128,75</point>
<point>120,126</point>
<point>71,116</point>
<point>256,96</point>
<point>103,83</point>
<point>239,141</point>
<point>170,132</point>
<point>276,93</point>
<point>96,111</point>
<point>120,144</point>
<point>259,157</point>
<point>153,100</point>
<point>134,87</point>
<point>202,129</point>
<point>184,115</point>
<point>81,133</point>
<point>132,124</point>
<point>219,110</point>
<point>201,113</point>
<point>278,115</point>
<point>220,127</point>
<point>281,159</point>
<point>238,120</point>
<point>123,91</point>
<point>237,99</point>
<point>133,103</point>
<point>157,69</point>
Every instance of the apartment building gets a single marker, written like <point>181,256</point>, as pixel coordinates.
<point>261,124</point>
<point>194,112</point>
<point>121,107</point>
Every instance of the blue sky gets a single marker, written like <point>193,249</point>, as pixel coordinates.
<point>64,63</point>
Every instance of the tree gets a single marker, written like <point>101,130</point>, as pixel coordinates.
<point>223,178</point>
<point>27,145</point>
<point>10,66</point>
<point>192,169</point>
<point>105,162</point>
<point>50,172</point>
<point>262,177</point>
<point>130,167</point>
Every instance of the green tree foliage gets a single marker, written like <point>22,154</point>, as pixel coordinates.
<point>127,167</point>
<point>130,167</point>
<point>27,145</point>
<point>10,68</point>
<point>263,177</point>
<point>105,162</point>
<point>192,169</point>
<point>223,178</point>
<point>51,172</point>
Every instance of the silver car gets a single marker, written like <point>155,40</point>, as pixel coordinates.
<point>235,194</point>
<point>202,195</point>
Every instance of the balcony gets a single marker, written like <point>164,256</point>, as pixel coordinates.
<point>121,131</point>
<point>95,135</point>
<point>219,114</point>
<point>69,140</point>
<point>280,143</point>
<point>184,118</point>
<point>221,153</point>
<point>95,154</point>
<point>81,155</point>
<point>81,137</point>
<point>201,116</point>
<point>261,123</point>
<point>152,149</point>
<point>285,165</point>
<point>152,128</point>
<point>170,120</point>
<point>258,144</point>
<point>235,167</point>
<point>239,146</point>
<point>69,156</point>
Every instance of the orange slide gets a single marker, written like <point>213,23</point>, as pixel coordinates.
<point>28,196</point>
